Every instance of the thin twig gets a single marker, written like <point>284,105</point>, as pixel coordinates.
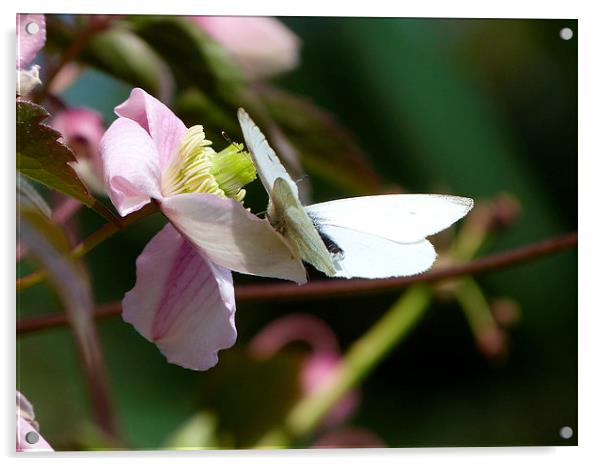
<point>356,287</point>
<point>337,288</point>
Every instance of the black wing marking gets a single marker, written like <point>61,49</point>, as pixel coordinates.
<point>331,246</point>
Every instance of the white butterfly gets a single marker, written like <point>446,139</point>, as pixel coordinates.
<point>368,237</point>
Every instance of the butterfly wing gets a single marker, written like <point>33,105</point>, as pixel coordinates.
<point>374,236</point>
<point>403,218</point>
<point>285,211</point>
<point>384,236</point>
<point>266,161</point>
<point>369,256</point>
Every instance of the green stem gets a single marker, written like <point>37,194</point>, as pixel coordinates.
<point>96,238</point>
<point>475,305</point>
<point>359,361</point>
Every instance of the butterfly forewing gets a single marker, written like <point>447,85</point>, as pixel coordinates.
<point>404,218</point>
<point>266,161</point>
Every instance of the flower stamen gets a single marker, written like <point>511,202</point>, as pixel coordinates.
<point>197,168</point>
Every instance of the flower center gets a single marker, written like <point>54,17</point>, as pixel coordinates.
<point>197,168</point>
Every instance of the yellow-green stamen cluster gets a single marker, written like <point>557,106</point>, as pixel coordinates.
<point>197,168</point>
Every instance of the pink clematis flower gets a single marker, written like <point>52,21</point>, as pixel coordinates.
<point>262,46</point>
<point>28,435</point>
<point>183,299</point>
<point>31,37</point>
<point>321,364</point>
<point>82,130</point>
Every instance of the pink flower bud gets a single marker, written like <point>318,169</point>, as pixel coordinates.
<point>318,371</point>
<point>319,367</point>
<point>262,46</point>
<point>82,130</point>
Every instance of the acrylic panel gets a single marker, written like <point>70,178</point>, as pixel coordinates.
<point>186,282</point>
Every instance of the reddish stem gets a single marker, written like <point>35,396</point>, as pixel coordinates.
<point>336,288</point>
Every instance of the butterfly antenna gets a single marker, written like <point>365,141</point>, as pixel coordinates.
<point>226,137</point>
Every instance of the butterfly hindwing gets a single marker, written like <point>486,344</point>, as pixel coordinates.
<point>369,256</point>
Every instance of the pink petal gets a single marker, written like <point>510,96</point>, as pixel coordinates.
<point>181,301</point>
<point>131,166</point>
<point>262,46</point>
<point>24,407</point>
<point>165,128</point>
<point>23,440</point>
<point>30,39</point>
<point>26,423</point>
<point>231,236</point>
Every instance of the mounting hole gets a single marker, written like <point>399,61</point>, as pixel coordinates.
<point>32,28</point>
<point>32,437</point>
<point>566,33</point>
<point>566,432</point>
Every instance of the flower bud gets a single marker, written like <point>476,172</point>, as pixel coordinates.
<point>262,46</point>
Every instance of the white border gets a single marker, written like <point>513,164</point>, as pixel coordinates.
<point>424,8</point>
<point>590,153</point>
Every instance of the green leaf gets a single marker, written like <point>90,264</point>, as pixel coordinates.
<point>121,53</point>
<point>196,107</point>
<point>41,157</point>
<point>326,148</point>
<point>195,59</point>
<point>196,433</point>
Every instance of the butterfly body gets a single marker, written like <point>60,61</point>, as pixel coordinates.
<point>287,216</point>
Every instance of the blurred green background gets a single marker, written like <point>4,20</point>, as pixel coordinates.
<point>471,107</point>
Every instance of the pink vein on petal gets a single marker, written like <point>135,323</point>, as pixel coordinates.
<point>180,288</point>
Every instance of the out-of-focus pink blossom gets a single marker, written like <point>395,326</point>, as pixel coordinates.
<point>183,299</point>
<point>28,435</point>
<point>65,77</point>
<point>350,437</point>
<point>82,130</point>
<point>320,365</point>
<point>262,46</point>
<point>31,37</point>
